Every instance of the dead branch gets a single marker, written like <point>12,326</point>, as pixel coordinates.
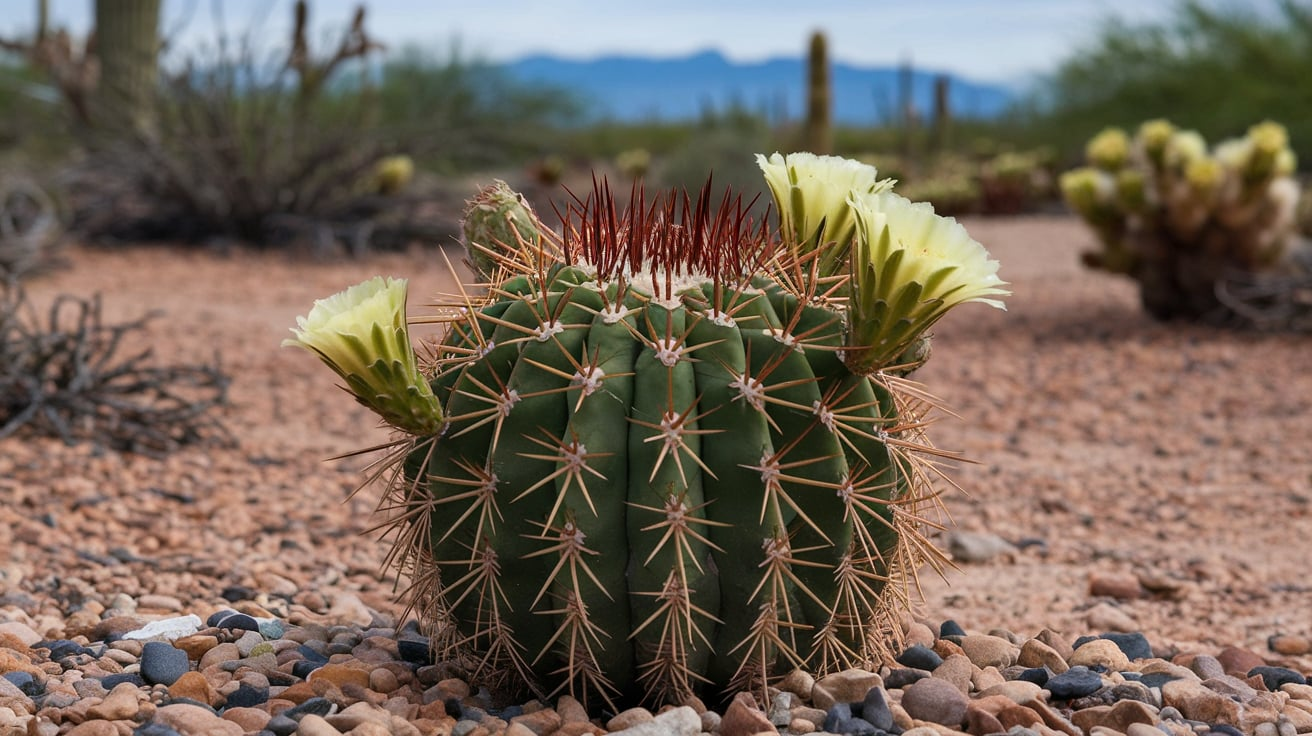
<point>64,377</point>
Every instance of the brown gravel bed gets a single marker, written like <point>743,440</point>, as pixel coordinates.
<point>1130,475</point>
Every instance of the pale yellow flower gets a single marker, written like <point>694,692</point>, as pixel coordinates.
<point>361,334</point>
<point>1153,136</point>
<point>811,193</point>
<point>1109,150</point>
<point>909,267</point>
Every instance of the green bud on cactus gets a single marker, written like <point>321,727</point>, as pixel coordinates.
<point>909,267</point>
<point>361,334</point>
<point>1131,192</point>
<point>1153,137</point>
<point>1109,150</point>
<point>1185,147</point>
<point>500,229</point>
<point>811,194</point>
<point>1268,141</point>
<point>656,475</point>
<point>1204,177</point>
<point>1087,190</point>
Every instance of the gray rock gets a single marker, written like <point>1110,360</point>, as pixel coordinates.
<point>162,663</point>
<point>975,547</point>
<point>935,700</point>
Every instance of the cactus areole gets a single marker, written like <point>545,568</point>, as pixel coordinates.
<point>665,465</point>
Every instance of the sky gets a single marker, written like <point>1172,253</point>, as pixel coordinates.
<point>1006,41</point>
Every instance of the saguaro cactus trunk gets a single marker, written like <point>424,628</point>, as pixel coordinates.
<point>127,44</point>
<point>819,100</point>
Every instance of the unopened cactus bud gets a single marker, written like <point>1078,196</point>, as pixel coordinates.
<point>1154,135</point>
<point>1204,176</point>
<point>634,162</point>
<point>1183,147</point>
<point>499,227</point>
<point>1087,190</point>
<point>1286,163</point>
<point>1131,194</point>
<point>393,173</point>
<point>1109,150</point>
<point>1267,141</point>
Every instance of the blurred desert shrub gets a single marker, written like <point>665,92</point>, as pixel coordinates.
<point>723,146</point>
<point>1213,66</point>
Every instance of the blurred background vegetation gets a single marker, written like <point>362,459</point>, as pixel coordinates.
<point>351,146</point>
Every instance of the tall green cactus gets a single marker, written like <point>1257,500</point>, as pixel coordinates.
<point>674,454</point>
<point>819,130</point>
<point>1181,220</point>
<point>127,45</point>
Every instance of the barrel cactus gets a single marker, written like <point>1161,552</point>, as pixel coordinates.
<point>676,452</point>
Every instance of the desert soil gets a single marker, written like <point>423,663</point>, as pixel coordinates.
<point>1147,476</point>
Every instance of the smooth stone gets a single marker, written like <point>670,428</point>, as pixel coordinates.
<point>193,686</point>
<point>312,706</point>
<point>627,719</point>
<point>849,686</point>
<point>958,670</point>
<point>1076,682</point>
<point>162,663</point>
<point>1100,652</point>
<point>26,682</point>
<point>900,677</point>
<point>743,717</point>
<point>1107,617</point>
<point>1275,677</point>
<point>985,650</point>
<point>155,728</point>
<point>1237,661</point>
<point>195,720</point>
<point>238,621</point>
<point>935,700</point>
<point>313,725</point>
<point>1037,675</point>
<point>1118,585</point>
<point>1018,691</point>
<point>875,710</point>
<point>110,682</point>
<point>976,547</point>
<point>1290,645</point>
<point>1036,653</point>
<point>680,721</point>
<point>415,650</point>
<point>1133,643</point>
<point>120,704</point>
<point>949,627</point>
<point>919,657</point>
<point>282,725</point>
<point>167,628</point>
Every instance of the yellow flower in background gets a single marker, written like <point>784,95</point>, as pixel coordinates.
<point>811,193</point>
<point>361,334</point>
<point>1109,150</point>
<point>1087,190</point>
<point>909,267</point>
<point>1154,135</point>
<point>1185,147</point>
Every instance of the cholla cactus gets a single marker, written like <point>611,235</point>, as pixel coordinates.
<point>673,456</point>
<point>1179,218</point>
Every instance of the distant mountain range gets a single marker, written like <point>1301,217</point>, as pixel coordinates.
<point>631,88</point>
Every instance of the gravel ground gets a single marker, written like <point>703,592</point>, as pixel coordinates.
<point>1128,476</point>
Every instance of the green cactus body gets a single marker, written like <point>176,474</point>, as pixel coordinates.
<point>652,484</point>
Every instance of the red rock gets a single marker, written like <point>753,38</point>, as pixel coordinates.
<point>744,718</point>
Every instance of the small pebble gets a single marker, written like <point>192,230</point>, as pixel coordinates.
<point>162,663</point>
